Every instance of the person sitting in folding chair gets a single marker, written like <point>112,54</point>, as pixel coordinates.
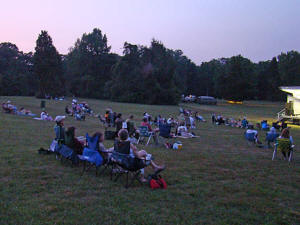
<point>119,123</point>
<point>105,153</point>
<point>123,146</point>
<point>59,129</point>
<point>250,131</point>
<point>271,136</point>
<point>285,144</point>
<point>154,132</point>
<point>132,130</point>
<point>72,142</point>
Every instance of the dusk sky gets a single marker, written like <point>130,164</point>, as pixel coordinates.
<point>202,29</point>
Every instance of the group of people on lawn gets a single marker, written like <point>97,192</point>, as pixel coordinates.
<point>79,110</point>
<point>8,107</point>
<point>122,144</point>
<point>183,125</point>
<point>219,120</point>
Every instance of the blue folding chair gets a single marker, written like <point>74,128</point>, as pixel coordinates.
<point>270,138</point>
<point>144,133</point>
<point>250,137</point>
<point>91,156</point>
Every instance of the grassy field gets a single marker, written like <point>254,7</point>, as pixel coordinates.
<point>215,179</point>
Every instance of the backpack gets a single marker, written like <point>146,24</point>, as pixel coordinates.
<point>156,182</point>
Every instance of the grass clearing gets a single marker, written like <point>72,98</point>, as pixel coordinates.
<point>215,179</point>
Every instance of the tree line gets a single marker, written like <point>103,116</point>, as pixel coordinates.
<point>143,74</point>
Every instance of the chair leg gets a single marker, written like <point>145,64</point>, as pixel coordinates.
<point>274,153</point>
<point>291,156</point>
<point>84,166</point>
<point>127,174</point>
<point>149,139</point>
<point>135,177</point>
<point>117,176</point>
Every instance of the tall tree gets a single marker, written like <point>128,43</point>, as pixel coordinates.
<point>89,65</point>
<point>236,83</point>
<point>48,67</point>
<point>15,71</point>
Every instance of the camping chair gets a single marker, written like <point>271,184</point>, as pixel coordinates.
<point>91,156</point>
<point>284,145</point>
<point>244,123</point>
<point>165,131</point>
<point>144,133</point>
<point>271,137</point>
<point>125,164</point>
<point>67,154</point>
<point>250,137</point>
<point>264,125</point>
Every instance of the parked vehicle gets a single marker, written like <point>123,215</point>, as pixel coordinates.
<point>206,100</point>
<point>190,98</point>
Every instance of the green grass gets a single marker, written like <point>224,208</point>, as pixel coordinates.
<point>215,179</point>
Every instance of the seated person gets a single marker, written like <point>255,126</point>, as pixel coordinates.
<point>45,116</point>
<point>72,142</point>
<point>68,111</point>
<point>244,122</point>
<point>199,117</point>
<point>59,129</point>
<point>119,123</point>
<point>264,125</point>
<point>220,120</point>
<point>79,115</point>
<point>155,131</point>
<point>147,124</point>
<point>123,146</point>
<point>132,130</point>
<point>183,131</point>
<point>170,121</point>
<point>213,118</point>
<point>285,134</point>
<point>251,130</point>
<point>104,152</point>
<point>192,122</point>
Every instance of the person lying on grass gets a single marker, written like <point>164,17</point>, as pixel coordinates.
<point>134,152</point>
<point>182,131</point>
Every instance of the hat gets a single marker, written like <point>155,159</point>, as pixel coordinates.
<point>59,118</point>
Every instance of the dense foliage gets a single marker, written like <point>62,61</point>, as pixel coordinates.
<point>48,69</point>
<point>151,75</point>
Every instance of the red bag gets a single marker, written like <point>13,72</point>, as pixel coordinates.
<point>157,183</point>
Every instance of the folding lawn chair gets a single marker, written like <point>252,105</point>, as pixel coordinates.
<point>67,154</point>
<point>264,125</point>
<point>165,131</point>
<point>144,133</point>
<point>91,156</point>
<point>270,138</point>
<point>250,137</point>
<point>284,145</point>
<point>125,164</point>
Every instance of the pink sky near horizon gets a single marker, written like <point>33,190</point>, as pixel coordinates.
<point>202,29</point>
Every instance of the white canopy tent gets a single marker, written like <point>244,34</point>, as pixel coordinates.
<point>294,98</point>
